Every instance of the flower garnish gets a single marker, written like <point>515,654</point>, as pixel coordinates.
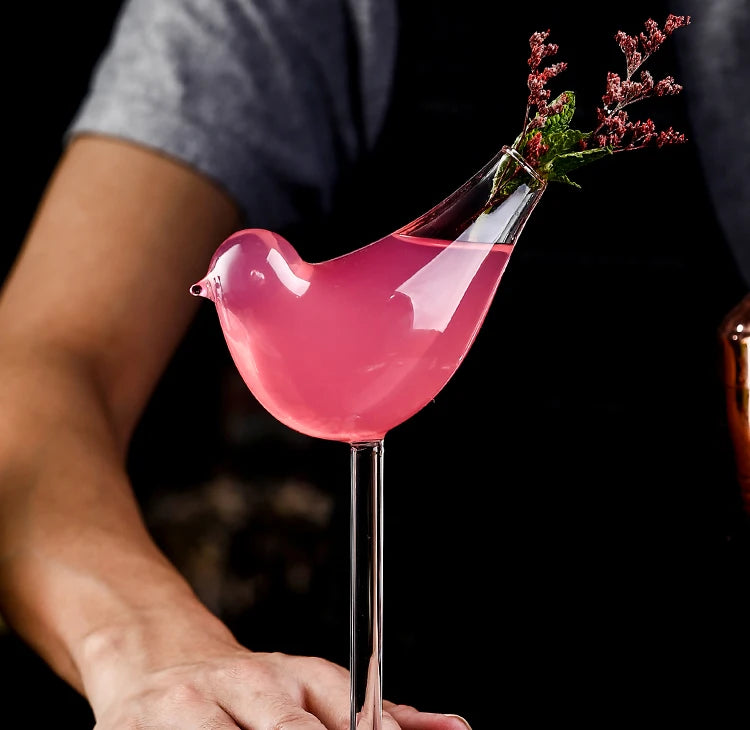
<point>547,141</point>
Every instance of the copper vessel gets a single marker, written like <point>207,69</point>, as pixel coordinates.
<point>734,333</point>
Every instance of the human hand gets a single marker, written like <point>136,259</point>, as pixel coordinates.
<point>236,688</point>
<point>181,669</point>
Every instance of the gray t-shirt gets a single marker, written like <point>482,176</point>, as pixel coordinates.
<point>275,98</point>
<point>270,98</point>
<point>714,55</point>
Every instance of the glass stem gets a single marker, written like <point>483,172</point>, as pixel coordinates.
<point>366,585</point>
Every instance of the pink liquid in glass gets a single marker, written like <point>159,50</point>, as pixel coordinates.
<point>349,348</point>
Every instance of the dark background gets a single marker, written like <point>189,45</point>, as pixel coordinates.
<point>564,532</point>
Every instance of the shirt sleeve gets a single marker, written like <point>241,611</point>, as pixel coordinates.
<point>714,56</point>
<point>270,98</point>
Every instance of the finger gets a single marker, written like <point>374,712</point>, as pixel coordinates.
<point>276,713</point>
<point>299,693</point>
<point>327,693</point>
<point>409,718</point>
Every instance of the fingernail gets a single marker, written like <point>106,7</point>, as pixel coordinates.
<point>463,720</point>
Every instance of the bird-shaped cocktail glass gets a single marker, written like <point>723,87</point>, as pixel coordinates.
<point>349,348</point>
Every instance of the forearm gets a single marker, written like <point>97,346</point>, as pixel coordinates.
<point>89,317</point>
<point>78,569</point>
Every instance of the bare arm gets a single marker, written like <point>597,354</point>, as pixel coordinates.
<point>89,317</point>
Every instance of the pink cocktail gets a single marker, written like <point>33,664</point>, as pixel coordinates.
<point>347,349</point>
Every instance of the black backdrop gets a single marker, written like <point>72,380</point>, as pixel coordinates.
<point>564,535</point>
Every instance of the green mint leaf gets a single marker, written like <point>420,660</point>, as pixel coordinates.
<point>562,179</point>
<point>573,160</point>
<point>557,168</point>
<point>562,119</point>
<point>561,142</point>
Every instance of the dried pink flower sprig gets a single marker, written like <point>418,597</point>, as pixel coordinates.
<point>547,141</point>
